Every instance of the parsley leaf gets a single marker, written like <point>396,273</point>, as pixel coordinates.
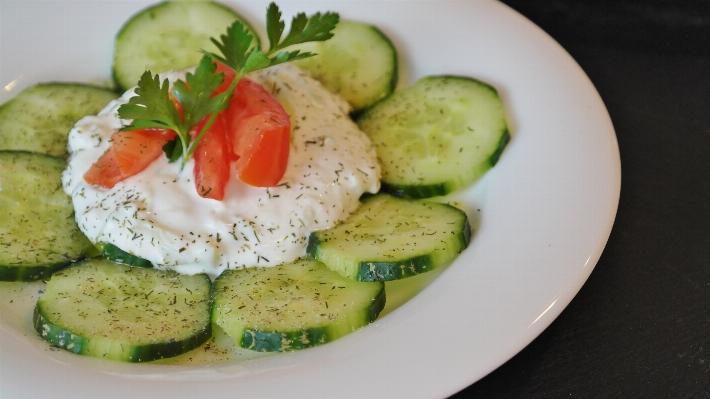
<point>317,28</point>
<point>237,55</point>
<point>153,107</point>
<point>173,149</point>
<point>195,94</point>
<point>234,46</point>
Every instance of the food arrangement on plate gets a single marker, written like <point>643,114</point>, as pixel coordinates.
<point>267,191</point>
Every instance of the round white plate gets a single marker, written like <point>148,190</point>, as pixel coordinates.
<point>546,211</point>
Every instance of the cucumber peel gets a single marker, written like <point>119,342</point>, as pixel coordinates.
<point>437,136</point>
<point>169,36</point>
<point>102,309</point>
<point>292,306</point>
<point>391,238</point>
<point>38,234</point>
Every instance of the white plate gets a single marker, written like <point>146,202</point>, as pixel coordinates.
<point>546,212</point>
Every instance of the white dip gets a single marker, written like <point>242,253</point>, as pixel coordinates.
<point>158,215</point>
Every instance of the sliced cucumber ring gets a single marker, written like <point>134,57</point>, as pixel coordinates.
<point>292,306</point>
<point>103,309</point>
<point>38,233</point>
<point>40,117</point>
<point>359,62</point>
<point>391,238</point>
<point>169,36</point>
<point>437,136</point>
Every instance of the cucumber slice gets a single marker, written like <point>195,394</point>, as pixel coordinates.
<point>38,234</point>
<point>116,254</point>
<point>103,309</point>
<point>40,117</point>
<point>169,36</point>
<point>390,238</point>
<point>437,136</point>
<point>292,306</point>
<point>359,62</point>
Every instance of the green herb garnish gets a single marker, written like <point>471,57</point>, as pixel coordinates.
<point>152,107</point>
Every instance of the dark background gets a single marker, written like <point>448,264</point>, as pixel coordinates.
<point>640,326</point>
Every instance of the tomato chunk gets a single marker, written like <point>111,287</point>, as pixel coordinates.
<point>254,131</point>
<point>105,172</point>
<point>130,153</point>
<point>137,149</point>
<point>212,158</point>
<point>259,132</point>
<point>229,76</point>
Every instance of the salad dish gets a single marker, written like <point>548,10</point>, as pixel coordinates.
<point>258,188</point>
<point>280,173</point>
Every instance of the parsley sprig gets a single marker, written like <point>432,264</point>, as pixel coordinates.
<point>153,107</point>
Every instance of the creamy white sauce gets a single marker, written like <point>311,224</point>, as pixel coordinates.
<point>158,215</point>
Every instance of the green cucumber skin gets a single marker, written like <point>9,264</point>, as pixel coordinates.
<point>355,113</point>
<point>67,325</point>
<point>264,341</point>
<point>501,147</point>
<point>27,273</point>
<point>261,340</point>
<point>388,271</point>
<point>116,254</point>
<point>79,345</point>
<point>445,188</point>
<point>395,61</point>
<point>324,246</point>
<point>390,116</point>
<point>360,93</point>
<point>121,83</point>
<point>378,304</point>
<point>57,336</point>
<point>47,132</point>
<point>40,259</point>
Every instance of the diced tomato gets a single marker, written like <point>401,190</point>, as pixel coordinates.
<point>105,172</point>
<point>254,131</point>
<point>229,76</point>
<point>137,149</point>
<point>259,132</point>
<point>130,152</point>
<point>212,158</point>
<point>263,147</point>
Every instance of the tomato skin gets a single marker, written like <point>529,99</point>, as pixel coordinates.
<point>263,143</point>
<point>130,153</point>
<point>212,169</point>
<point>136,149</point>
<point>105,172</point>
<point>229,76</point>
<point>259,130</point>
<point>254,131</point>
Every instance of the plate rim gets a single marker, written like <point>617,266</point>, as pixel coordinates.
<point>458,381</point>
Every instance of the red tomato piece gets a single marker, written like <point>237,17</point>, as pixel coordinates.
<point>137,149</point>
<point>229,75</point>
<point>130,153</point>
<point>263,147</point>
<point>105,172</point>
<point>259,132</point>
<point>254,130</point>
<point>212,158</point>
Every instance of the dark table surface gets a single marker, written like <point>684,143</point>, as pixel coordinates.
<point>640,326</point>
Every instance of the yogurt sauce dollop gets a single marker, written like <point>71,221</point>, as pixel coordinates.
<point>158,215</point>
